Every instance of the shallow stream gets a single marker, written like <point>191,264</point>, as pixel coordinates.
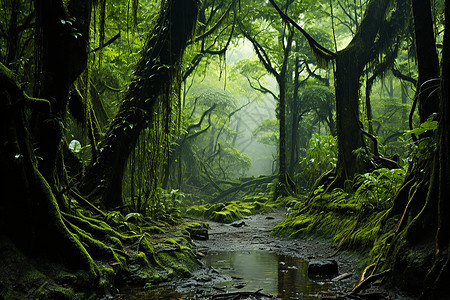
<point>281,276</point>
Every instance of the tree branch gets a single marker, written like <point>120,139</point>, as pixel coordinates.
<point>111,40</point>
<point>396,72</point>
<point>318,49</point>
<point>261,53</point>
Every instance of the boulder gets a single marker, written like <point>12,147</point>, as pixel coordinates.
<point>326,267</point>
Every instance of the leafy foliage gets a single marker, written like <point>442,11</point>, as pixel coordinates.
<point>167,204</point>
<point>267,132</point>
<point>321,156</point>
<point>377,189</point>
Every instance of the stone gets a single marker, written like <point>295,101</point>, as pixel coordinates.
<point>326,267</point>
<point>238,224</point>
<point>199,234</point>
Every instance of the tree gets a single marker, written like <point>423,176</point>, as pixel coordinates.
<point>422,201</point>
<point>61,50</point>
<point>31,216</point>
<point>350,63</point>
<point>155,78</point>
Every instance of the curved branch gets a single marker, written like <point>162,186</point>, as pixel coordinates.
<point>201,119</point>
<point>318,49</point>
<point>214,28</point>
<point>396,72</point>
<point>261,53</point>
<point>261,88</point>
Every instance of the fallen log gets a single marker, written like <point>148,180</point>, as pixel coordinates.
<point>236,188</point>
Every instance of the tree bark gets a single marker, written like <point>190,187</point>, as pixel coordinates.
<point>428,65</point>
<point>294,111</point>
<point>29,214</point>
<point>350,63</point>
<point>423,198</point>
<point>155,75</point>
<point>61,55</point>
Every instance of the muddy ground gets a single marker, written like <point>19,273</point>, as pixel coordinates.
<point>255,235</point>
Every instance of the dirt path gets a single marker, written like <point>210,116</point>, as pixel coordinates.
<point>246,242</point>
<point>254,234</point>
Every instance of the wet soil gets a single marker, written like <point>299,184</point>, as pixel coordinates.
<point>224,258</point>
<point>255,235</point>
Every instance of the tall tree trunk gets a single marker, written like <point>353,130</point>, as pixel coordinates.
<point>350,63</point>
<point>443,233</point>
<point>29,214</point>
<point>294,117</point>
<point>155,75</point>
<point>284,183</point>
<point>422,201</point>
<point>428,64</point>
<point>61,56</point>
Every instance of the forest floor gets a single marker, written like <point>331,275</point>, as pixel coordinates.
<point>213,281</point>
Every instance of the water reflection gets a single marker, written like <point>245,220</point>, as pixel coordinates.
<point>278,275</point>
<point>283,277</point>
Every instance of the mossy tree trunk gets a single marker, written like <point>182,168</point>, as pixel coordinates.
<point>62,35</point>
<point>294,112</point>
<point>29,214</point>
<point>350,64</point>
<point>156,74</point>
<point>422,201</point>
<point>427,62</point>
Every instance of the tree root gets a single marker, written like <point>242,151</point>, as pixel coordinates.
<point>363,284</point>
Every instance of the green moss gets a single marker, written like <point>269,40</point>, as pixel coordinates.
<point>195,225</point>
<point>154,230</point>
<point>179,263</point>
<point>228,212</point>
<point>340,218</point>
<point>114,242</point>
<point>292,226</point>
<point>48,291</point>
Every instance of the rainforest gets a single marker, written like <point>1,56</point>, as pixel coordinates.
<point>224,149</point>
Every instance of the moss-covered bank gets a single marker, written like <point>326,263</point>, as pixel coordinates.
<point>348,223</point>
<point>355,225</point>
<point>140,254</point>
<point>230,211</point>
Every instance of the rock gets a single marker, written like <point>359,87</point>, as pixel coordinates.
<point>323,267</point>
<point>238,223</point>
<point>199,234</point>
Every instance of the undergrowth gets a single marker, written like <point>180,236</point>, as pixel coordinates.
<point>228,212</point>
<point>130,249</point>
<point>353,221</point>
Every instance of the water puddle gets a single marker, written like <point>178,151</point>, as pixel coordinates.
<point>280,276</point>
